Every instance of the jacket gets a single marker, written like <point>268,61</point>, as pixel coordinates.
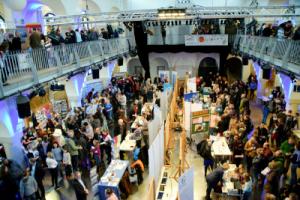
<point>28,186</point>
<point>72,148</point>
<point>79,190</point>
<point>215,176</point>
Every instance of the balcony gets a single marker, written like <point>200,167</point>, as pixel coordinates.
<point>22,70</point>
<point>283,53</point>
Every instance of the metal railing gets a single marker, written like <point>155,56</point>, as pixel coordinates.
<point>22,70</point>
<point>284,53</point>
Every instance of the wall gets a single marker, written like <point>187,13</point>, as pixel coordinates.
<point>11,129</point>
<point>180,62</point>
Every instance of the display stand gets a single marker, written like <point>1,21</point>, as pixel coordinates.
<point>183,164</point>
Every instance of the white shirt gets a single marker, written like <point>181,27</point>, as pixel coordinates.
<point>89,132</point>
<point>67,158</point>
<point>51,163</point>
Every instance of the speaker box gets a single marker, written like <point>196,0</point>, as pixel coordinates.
<point>245,60</point>
<point>23,106</point>
<point>120,61</point>
<point>56,87</point>
<point>267,73</point>
<point>95,73</point>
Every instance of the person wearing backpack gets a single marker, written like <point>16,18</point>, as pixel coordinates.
<point>204,150</point>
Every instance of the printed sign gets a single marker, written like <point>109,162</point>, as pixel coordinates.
<point>206,40</point>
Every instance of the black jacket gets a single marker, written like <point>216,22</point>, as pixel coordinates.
<point>79,190</point>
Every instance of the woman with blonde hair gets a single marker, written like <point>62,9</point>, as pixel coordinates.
<point>52,166</point>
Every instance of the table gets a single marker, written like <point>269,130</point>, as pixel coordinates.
<point>128,146</point>
<point>220,146</point>
<point>112,178</point>
<point>134,125</point>
<point>169,188</point>
<point>228,189</point>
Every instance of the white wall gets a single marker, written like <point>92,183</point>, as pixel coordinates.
<point>180,62</point>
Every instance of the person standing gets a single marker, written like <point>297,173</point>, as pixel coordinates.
<point>79,186</point>
<point>67,162</point>
<point>37,171</point>
<point>52,166</point>
<point>16,44</point>
<point>35,39</point>
<point>215,178</point>
<point>78,36</point>
<point>58,156</point>
<point>73,149</point>
<point>28,186</point>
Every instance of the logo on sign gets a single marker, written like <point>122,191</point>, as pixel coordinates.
<point>201,39</point>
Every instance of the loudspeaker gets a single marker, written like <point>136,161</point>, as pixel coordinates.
<point>42,92</point>
<point>56,87</point>
<point>245,60</point>
<point>267,73</point>
<point>23,106</point>
<point>120,61</point>
<point>95,73</point>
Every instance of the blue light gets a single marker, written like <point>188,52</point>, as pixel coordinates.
<point>34,6</point>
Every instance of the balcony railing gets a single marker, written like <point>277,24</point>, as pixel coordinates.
<point>22,70</point>
<point>284,53</point>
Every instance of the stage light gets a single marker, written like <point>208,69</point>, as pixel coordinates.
<point>187,22</point>
<point>179,22</point>
<point>168,23</point>
<point>175,23</point>
<point>172,23</point>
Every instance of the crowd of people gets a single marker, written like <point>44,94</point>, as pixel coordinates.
<point>66,147</point>
<point>270,144</point>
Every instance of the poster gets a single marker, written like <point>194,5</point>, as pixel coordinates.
<point>186,185</point>
<point>164,76</point>
<point>206,40</point>
<point>191,85</point>
<point>189,96</point>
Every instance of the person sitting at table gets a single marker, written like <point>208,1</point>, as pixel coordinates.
<point>215,179</point>
<point>247,187</point>
<point>110,195</point>
<point>139,167</point>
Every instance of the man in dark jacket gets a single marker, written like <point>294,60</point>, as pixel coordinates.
<point>38,172</point>
<point>79,186</point>
<point>215,178</point>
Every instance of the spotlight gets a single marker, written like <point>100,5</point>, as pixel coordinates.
<point>172,23</point>
<point>179,22</point>
<point>186,22</point>
<point>168,23</point>
<point>175,23</point>
<point>42,92</point>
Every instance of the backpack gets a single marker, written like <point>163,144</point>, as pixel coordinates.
<point>201,148</point>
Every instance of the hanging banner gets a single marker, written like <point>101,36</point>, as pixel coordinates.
<point>206,40</point>
<point>186,185</point>
<point>174,77</point>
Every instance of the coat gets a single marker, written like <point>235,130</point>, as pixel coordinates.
<point>79,190</point>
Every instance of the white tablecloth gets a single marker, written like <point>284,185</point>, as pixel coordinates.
<point>220,146</point>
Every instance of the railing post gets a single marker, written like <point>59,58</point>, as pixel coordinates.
<point>34,67</point>
<point>287,52</point>
<point>59,63</point>
<point>274,47</point>
<point>263,48</point>
<point>77,59</point>
<point>1,86</point>
<point>109,47</point>
<point>90,52</point>
<point>101,48</point>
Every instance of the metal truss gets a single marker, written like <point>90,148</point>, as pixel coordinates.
<point>194,12</point>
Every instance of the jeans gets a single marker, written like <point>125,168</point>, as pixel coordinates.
<point>30,197</point>
<point>294,174</point>
<point>266,112</point>
<point>54,176</point>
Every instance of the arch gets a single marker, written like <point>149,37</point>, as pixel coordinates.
<point>134,66</point>
<point>156,64</point>
<point>93,7</point>
<point>114,9</point>
<point>207,65</point>
<point>56,6</point>
<point>234,68</point>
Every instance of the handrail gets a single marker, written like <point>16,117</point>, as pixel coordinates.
<point>283,53</point>
<point>22,70</point>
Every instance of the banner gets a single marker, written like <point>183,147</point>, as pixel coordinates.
<point>206,40</point>
<point>186,185</point>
